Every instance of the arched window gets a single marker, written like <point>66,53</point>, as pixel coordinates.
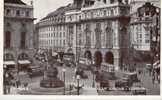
<point>104,1</point>
<point>98,32</point>
<point>23,56</point>
<point>8,57</point>
<point>8,39</point>
<point>18,13</point>
<point>111,1</point>
<point>109,37</point>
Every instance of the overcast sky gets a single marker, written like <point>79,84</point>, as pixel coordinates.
<point>43,7</point>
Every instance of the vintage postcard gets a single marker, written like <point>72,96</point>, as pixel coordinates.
<point>81,47</point>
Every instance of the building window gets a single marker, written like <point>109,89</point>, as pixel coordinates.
<point>140,35</point>
<point>104,12</point>
<point>8,57</point>
<point>22,40</point>
<point>98,25</point>
<point>18,13</point>
<point>60,34</point>
<point>104,1</point>
<point>140,41</point>
<point>111,1</point>
<point>27,13</point>
<point>56,34</point>
<point>112,12</point>
<point>8,12</point>
<point>8,25</point>
<point>64,42</point>
<point>147,35</point>
<point>23,56</point>
<point>8,39</point>
<point>60,43</point>
<point>147,41</point>
<point>64,34</point>
<point>60,27</point>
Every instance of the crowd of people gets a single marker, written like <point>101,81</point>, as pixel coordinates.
<point>11,81</point>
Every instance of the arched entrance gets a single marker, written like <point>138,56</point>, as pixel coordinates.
<point>88,55</point>
<point>98,58</point>
<point>109,58</point>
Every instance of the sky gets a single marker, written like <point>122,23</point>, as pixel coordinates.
<point>43,7</point>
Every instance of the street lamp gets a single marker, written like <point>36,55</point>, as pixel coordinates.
<point>64,70</point>
<point>78,78</point>
<point>4,83</point>
<point>93,83</point>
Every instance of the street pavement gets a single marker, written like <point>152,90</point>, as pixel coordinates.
<point>89,91</point>
<point>146,81</point>
<point>69,79</point>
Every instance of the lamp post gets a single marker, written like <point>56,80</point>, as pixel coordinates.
<point>4,69</point>
<point>64,70</point>
<point>78,78</point>
<point>93,83</point>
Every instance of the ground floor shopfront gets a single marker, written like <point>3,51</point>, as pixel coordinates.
<point>103,55</point>
<point>19,60</point>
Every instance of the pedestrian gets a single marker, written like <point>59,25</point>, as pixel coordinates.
<point>157,73</point>
<point>75,70</point>
<point>159,79</point>
<point>8,89</point>
<point>139,72</point>
<point>30,75</point>
<point>25,85</point>
<point>153,79</point>
<point>17,83</point>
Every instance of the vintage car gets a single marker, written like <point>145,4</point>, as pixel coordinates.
<point>132,77</point>
<point>139,91</point>
<point>123,83</point>
<point>104,84</point>
<point>80,71</point>
<point>85,64</point>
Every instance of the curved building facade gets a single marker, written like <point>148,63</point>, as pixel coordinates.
<point>94,29</point>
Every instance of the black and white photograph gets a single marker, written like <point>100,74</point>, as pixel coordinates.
<point>81,47</point>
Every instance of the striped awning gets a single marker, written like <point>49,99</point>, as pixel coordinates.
<point>54,53</point>
<point>9,63</point>
<point>24,62</point>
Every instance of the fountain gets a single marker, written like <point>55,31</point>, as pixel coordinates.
<point>51,80</point>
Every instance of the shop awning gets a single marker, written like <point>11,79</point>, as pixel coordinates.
<point>54,53</point>
<point>23,61</point>
<point>9,63</point>
<point>156,63</point>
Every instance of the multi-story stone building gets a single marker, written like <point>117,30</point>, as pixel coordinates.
<point>52,31</point>
<point>135,4</point>
<point>18,34</point>
<point>93,29</point>
<point>141,25</point>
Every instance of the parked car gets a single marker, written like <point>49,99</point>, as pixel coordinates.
<point>123,83</point>
<point>138,91</point>
<point>132,77</point>
<point>80,71</point>
<point>36,71</point>
<point>104,84</point>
